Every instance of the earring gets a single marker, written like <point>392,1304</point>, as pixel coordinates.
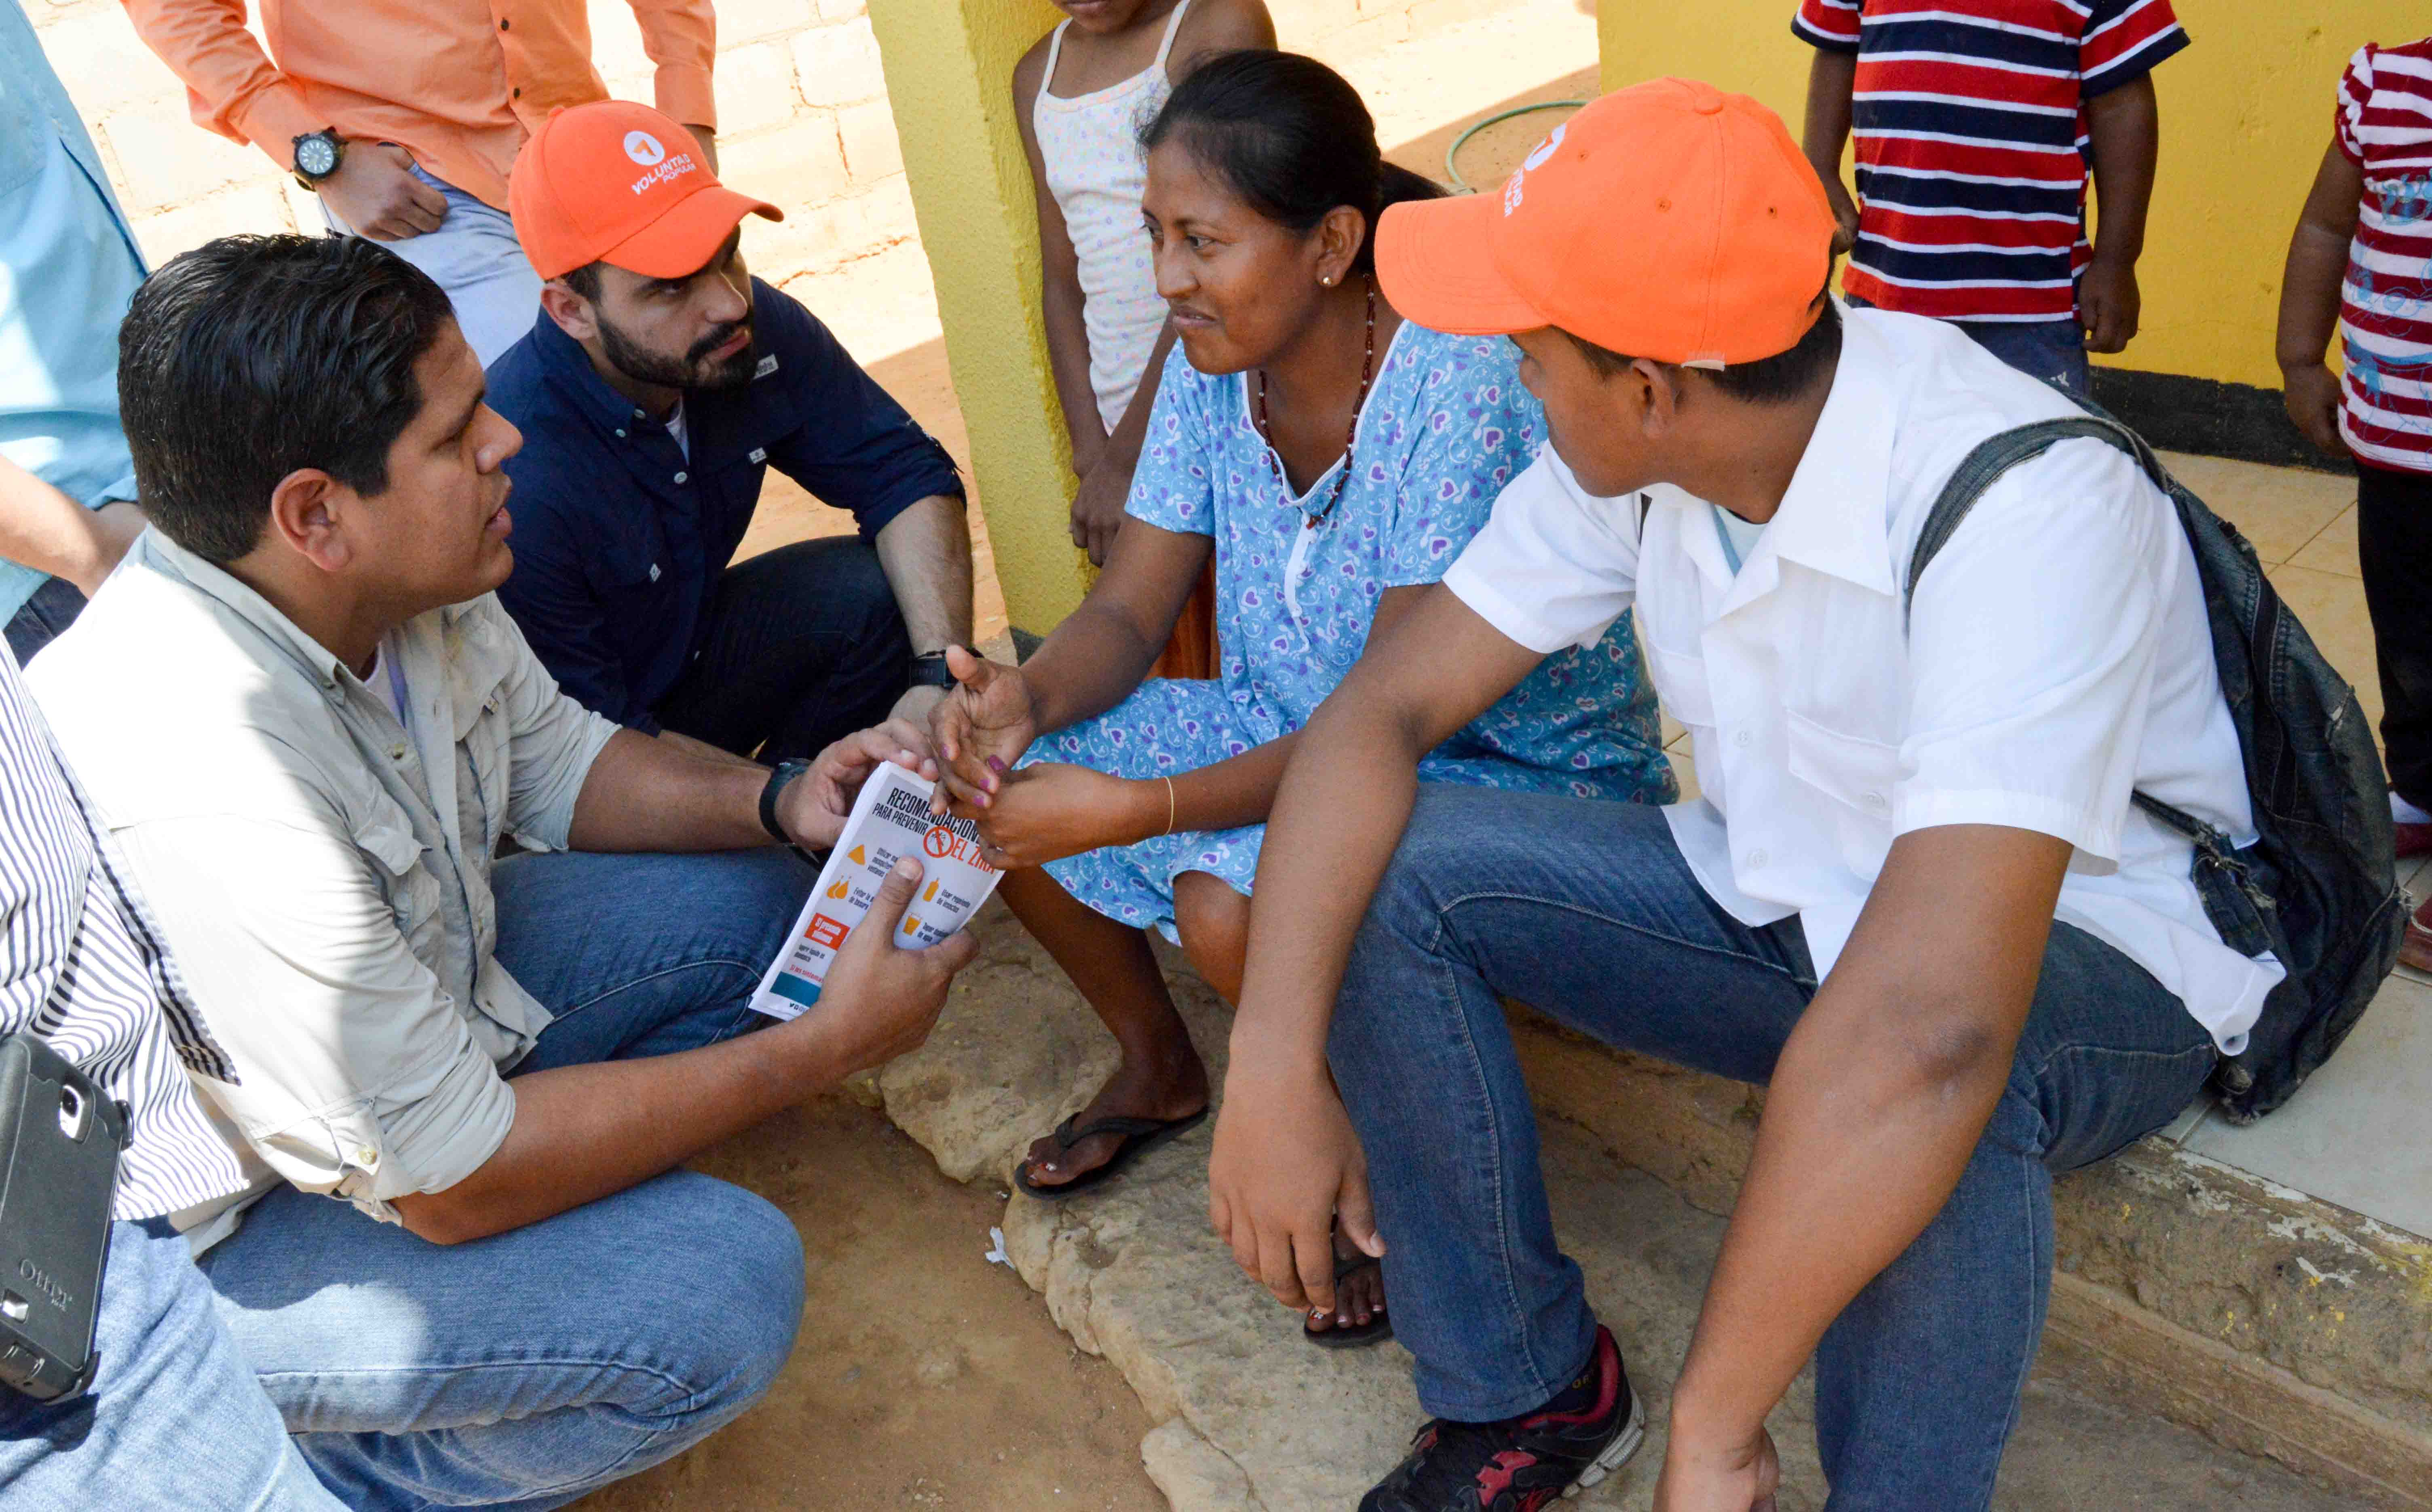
<point>1327,281</point>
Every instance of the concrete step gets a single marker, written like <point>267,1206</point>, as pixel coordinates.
<point>2203,1326</point>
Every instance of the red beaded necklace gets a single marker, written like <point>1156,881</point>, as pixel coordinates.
<point>1274,463</point>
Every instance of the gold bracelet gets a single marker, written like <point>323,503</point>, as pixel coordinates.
<point>1169,805</point>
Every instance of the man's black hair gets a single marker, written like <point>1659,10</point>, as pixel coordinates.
<point>1776,379</point>
<point>254,356</point>
<point>584,280</point>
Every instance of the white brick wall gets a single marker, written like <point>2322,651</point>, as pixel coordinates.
<point>802,101</point>
<point>802,123</point>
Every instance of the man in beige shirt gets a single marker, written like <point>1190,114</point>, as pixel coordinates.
<point>305,718</point>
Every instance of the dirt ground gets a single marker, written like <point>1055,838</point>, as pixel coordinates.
<point>924,1376</point>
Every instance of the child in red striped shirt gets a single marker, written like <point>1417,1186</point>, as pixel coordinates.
<point>1977,122</point>
<point>2361,261</point>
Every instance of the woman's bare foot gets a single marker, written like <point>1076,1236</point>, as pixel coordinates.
<point>1358,1293</point>
<point>1170,1084</point>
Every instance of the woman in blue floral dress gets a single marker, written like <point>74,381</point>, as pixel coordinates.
<point>1121,805</point>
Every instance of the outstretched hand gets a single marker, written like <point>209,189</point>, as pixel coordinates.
<point>980,729</point>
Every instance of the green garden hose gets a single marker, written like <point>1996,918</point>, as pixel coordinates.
<point>1463,186</point>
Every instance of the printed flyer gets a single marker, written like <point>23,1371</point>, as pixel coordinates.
<point>891,820</point>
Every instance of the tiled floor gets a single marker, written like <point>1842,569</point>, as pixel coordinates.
<point>2360,1133</point>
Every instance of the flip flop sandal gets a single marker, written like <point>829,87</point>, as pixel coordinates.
<point>1139,1137</point>
<point>1350,1336</point>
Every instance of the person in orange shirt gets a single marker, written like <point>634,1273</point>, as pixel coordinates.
<point>405,115</point>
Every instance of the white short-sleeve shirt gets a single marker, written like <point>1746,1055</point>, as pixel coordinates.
<point>2058,659</point>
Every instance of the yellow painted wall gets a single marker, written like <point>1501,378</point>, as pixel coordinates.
<point>949,68</point>
<point>2246,113</point>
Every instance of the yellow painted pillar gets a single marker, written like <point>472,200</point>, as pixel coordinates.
<point>2246,113</point>
<point>949,66</point>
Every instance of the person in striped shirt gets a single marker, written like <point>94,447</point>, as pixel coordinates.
<point>175,1415</point>
<point>2360,262</point>
<point>1977,123</point>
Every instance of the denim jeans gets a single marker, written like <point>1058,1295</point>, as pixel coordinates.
<point>1586,910</point>
<point>475,257</point>
<point>527,1368</point>
<point>2052,350</point>
<point>175,1417</point>
<point>801,647</point>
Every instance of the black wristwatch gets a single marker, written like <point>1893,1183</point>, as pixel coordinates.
<point>786,771</point>
<point>929,670</point>
<point>317,156</point>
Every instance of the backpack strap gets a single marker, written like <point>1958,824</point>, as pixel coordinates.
<point>1997,453</point>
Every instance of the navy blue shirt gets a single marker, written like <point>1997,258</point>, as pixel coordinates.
<point>620,538</point>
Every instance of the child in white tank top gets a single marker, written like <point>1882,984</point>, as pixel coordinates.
<point>1082,95</point>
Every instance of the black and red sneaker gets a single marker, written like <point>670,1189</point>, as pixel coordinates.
<point>1521,1463</point>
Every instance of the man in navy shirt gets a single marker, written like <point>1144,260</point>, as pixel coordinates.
<point>659,385</point>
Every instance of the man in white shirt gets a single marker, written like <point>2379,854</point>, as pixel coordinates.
<point>1914,899</point>
<point>308,724</point>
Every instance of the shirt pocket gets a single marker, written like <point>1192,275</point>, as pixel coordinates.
<point>1680,686</point>
<point>411,891</point>
<point>1852,769</point>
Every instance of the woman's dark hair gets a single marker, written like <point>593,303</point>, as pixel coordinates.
<point>1289,136</point>
<point>253,355</point>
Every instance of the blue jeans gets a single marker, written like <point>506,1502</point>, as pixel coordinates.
<point>1587,911</point>
<point>525,1369</point>
<point>2052,350</point>
<point>175,1417</point>
<point>475,257</point>
<point>801,647</point>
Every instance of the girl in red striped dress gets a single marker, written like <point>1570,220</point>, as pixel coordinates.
<point>2362,261</point>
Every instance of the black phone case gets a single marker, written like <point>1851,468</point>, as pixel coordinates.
<point>55,1185</point>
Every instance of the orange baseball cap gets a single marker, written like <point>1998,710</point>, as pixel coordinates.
<point>1669,220</point>
<point>617,182</point>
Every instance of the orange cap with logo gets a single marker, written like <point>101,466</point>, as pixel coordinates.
<point>1667,220</point>
<point>616,182</point>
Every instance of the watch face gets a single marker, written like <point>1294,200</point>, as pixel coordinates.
<point>315,157</point>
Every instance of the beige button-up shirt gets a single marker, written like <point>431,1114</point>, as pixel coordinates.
<point>322,869</point>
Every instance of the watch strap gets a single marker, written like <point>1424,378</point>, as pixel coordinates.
<point>929,670</point>
<point>785,773</point>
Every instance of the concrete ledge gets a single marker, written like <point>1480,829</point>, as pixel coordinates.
<point>1642,1162</point>
<point>2098,1338</point>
